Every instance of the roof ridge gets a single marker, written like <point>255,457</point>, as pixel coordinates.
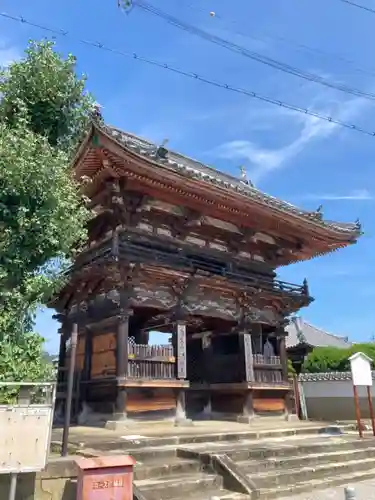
<point>342,337</point>
<point>204,165</point>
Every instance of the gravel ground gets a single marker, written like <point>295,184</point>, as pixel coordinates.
<point>363,491</point>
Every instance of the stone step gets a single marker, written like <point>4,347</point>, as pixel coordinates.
<point>284,492</point>
<point>252,434</point>
<point>260,450</point>
<point>180,486</point>
<point>273,478</point>
<point>214,494</point>
<point>293,447</point>
<point>140,454</point>
<point>158,469</point>
<point>275,464</point>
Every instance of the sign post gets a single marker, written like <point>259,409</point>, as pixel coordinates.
<point>360,366</point>
<point>25,429</point>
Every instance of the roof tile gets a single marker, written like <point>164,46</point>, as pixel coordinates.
<point>193,168</point>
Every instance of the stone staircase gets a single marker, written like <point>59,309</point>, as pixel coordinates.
<point>273,464</point>
<point>279,469</point>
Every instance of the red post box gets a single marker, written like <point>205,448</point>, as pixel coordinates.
<point>105,478</point>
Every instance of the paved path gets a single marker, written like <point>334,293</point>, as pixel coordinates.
<point>364,491</point>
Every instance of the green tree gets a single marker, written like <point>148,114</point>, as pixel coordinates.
<point>334,359</point>
<point>23,360</point>
<point>44,110</point>
<point>57,105</point>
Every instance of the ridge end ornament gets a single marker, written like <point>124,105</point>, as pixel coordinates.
<point>358,225</point>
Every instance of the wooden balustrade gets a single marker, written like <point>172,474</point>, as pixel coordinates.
<point>260,359</point>
<point>151,361</point>
<point>268,376</point>
<point>268,369</point>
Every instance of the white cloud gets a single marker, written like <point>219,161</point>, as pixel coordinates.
<point>355,195</point>
<point>266,160</point>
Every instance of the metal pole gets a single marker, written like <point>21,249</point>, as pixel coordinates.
<point>69,391</point>
<point>12,487</point>
<point>349,493</point>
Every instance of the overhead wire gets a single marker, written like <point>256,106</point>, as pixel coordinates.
<point>359,6</point>
<point>255,56</point>
<point>287,41</point>
<point>192,75</point>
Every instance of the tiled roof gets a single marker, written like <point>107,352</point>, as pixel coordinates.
<point>327,377</point>
<point>299,331</point>
<point>197,170</point>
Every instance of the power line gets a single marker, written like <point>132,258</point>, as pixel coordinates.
<point>359,6</point>
<point>296,45</point>
<point>255,56</point>
<point>193,76</point>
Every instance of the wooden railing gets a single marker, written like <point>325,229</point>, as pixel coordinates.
<point>151,361</point>
<point>268,369</point>
<point>268,376</point>
<point>260,359</point>
<point>140,250</point>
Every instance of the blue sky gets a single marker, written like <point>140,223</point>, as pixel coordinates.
<point>292,156</point>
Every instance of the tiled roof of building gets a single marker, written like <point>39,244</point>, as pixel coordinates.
<point>196,170</point>
<point>327,377</point>
<point>301,332</point>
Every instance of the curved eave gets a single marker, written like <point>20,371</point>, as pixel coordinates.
<point>303,257</point>
<point>343,234</point>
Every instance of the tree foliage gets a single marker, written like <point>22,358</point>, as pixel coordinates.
<point>334,359</point>
<point>291,370</point>
<point>44,110</point>
<point>41,213</point>
<point>21,361</point>
<point>57,105</point>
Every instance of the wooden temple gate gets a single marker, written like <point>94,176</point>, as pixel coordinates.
<point>180,248</point>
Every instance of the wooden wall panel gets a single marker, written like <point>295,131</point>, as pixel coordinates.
<point>145,400</point>
<point>269,405</point>
<point>80,354</point>
<point>104,342</point>
<point>268,401</point>
<point>103,360</point>
<point>80,357</point>
<point>103,364</point>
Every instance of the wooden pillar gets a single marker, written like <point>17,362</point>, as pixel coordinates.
<point>247,353</point>
<point>247,356</point>
<point>86,372</point>
<point>289,406</point>
<point>181,371</point>
<point>122,361</point>
<point>181,349</point>
<point>283,357</point>
<point>122,344</point>
<point>62,357</point>
<point>207,364</point>
<point>248,408</point>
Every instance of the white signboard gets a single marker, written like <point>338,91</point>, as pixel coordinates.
<point>25,436</point>
<point>360,365</point>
